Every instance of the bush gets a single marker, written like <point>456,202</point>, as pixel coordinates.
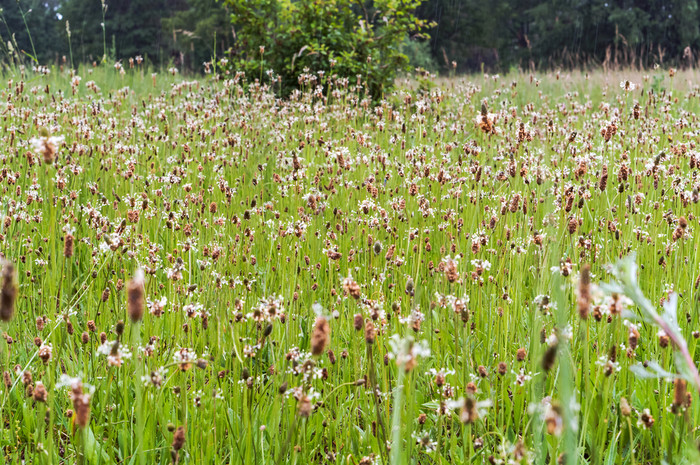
<point>343,37</point>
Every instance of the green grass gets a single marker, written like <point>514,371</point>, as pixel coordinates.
<point>235,204</point>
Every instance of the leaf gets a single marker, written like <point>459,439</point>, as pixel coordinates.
<point>652,371</point>
<point>94,448</point>
<point>670,314</point>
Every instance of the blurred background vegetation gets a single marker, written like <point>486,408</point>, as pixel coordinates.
<point>466,35</point>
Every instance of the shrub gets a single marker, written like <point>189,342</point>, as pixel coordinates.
<point>357,40</point>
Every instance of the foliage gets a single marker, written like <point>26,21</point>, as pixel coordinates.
<point>40,25</point>
<point>184,31</point>
<point>467,35</point>
<point>358,41</point>
<point>132,27</point>
<point>199,33</point>
<point>418,54</point>
<point>555,33</point>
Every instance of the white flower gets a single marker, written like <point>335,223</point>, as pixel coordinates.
<point>627,86</point>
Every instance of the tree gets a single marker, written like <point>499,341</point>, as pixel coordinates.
<point>42,43</point>
<point>132,27</point>
<point>198,32</point>
<point>342,37</point>
<point>85,18</point>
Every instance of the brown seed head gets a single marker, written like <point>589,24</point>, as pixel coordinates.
<point>81,405</point>
<point>469,413</point>
<point>358,321</point>
<point>40,394</point>
<point>135,296</point>
<point>8,290</point>
<point>370,332</point>
<point>178,438</point>
<point>105,294</point>
<point>320,336</point>
<point>305,407</point>
<point>549,357</point>
<point>68,245</point>
<point>646,419</point>
<point>633,337</point>
<point>625,408</point>
<point>679,393</point>
<point>584,292</point>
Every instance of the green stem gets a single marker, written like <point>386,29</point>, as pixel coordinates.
<point>396,420</point>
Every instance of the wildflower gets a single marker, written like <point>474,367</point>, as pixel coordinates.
<point>425,442</point>
<point>135,299</point>
<point>406,351</point>
<point>351,287</point>
<point>80,398</point>
<point>68,245</point>
<point>625,408</point>
<point>521,354</point>
<point>584,292</point>
<point>549,357</point>
<point>185,358</point>
<point>486,121</point>
<point>156,307</point>
<point>45,353</point>
<point>8,290</point>
<point>358,321</point>
<point>305,407</point>
<point>645,419</point>
<point>370,332</point>
<point>680,395</point>
<point>177,444</point>
<point>39,393</point>
<point>470,410</point>
<point>451,272</point>
<point>46,146</point>
<point>553,419</point>
<point>409,287</point>
<point>633,336</point>
<point>115,352</point>
<point>320,336</point>
<point>627,86</point>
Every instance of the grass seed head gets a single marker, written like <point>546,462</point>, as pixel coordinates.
<point>584,292</point>
<point>549,358</point>
<point>469,412</point>
<point>8,290</point>
<point>370,332</point>
<point>135,296</point>
<point>625,408</point>
<point>320,336</point>
<point>68,245</point>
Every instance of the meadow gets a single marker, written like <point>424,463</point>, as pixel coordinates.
<point>196,271</point>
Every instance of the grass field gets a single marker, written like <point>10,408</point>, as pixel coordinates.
<point>197,272</point>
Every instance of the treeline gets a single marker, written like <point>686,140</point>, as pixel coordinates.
<point>184,33</point>
<point>563,33</point>
<point>468,34</point>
